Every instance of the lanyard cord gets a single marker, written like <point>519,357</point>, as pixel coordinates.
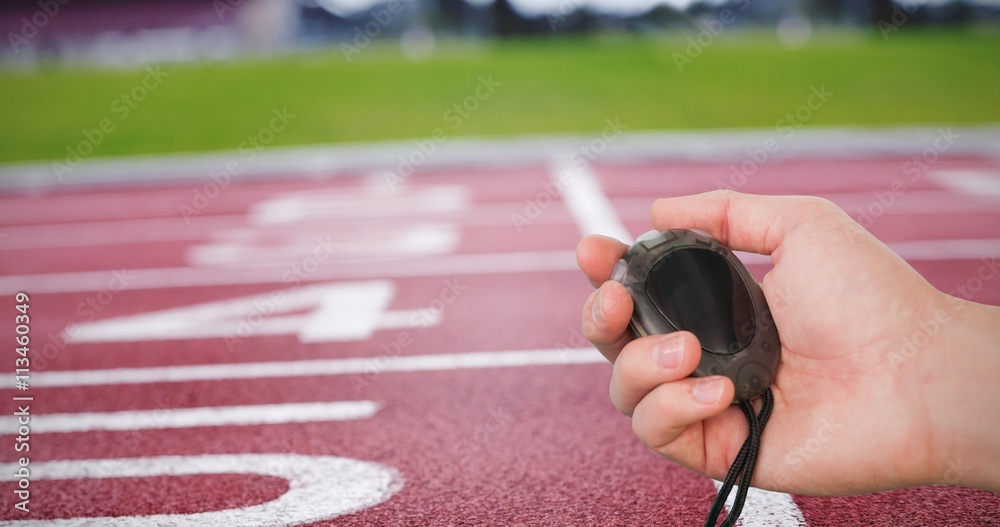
<point>743,465</point>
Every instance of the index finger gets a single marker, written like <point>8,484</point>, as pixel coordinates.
<point>744,222</point>
<point>596,255</point>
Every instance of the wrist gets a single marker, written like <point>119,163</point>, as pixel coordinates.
<point>959,373</point>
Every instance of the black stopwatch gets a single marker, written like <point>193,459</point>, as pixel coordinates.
<point>681,280</point>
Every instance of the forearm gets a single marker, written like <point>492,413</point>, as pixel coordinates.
<point>962,376</point>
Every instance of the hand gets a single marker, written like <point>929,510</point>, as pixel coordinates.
<point>865,396</point>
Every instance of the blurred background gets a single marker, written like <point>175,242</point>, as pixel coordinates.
<point>363,70</point>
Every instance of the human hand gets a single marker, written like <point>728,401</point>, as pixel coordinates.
<point>854,411</point>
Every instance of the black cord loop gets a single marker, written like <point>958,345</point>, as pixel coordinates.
<point>743,465</point>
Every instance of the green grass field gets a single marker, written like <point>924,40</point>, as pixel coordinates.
<point>563,85</point>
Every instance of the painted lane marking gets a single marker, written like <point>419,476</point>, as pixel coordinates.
<point>979,183</point>
<point>765,508</point>
<point>415,239</point>
<point>587,201</point>
<point>329,204</point>
<point>161,278</point>
<point>319,487</point>
<point>264,414</point>
<point>322,367</point>
<point>115,232</point>
<point>337,312</point>
<point>456,264</point>
<point>234,227</point>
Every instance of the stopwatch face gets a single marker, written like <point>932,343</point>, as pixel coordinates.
<point>681,280</point>
<point>701,291</point>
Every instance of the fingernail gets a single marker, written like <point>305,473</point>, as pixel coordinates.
<point>708,391</point>
<point>668,351</point>
<point>598,309</point>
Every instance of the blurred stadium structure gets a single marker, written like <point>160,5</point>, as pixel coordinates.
<point>129,33</point>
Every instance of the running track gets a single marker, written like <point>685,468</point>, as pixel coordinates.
<point>319,346</point>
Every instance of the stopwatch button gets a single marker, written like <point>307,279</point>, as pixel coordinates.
<point>618,273</point>
<point>647,236</point>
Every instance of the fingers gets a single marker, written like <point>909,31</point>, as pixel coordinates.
<point>596,256</point>
<point>606,314</point>
<point>649,362</point>
<point>665,413</point>
<point>744,222</point>
<point>669,409</point>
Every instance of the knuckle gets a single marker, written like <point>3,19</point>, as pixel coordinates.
<point>637,429</point>
<point>724,193</point>
<point>820,205</point>
<point>617,402</point>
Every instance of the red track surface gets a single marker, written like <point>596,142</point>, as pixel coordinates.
<point>518,445</point>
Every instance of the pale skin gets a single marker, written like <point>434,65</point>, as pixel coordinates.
<point>885,382</point>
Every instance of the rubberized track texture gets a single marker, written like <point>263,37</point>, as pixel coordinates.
<point>320,343</point>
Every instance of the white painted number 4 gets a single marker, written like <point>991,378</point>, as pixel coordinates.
<point>318,313</point>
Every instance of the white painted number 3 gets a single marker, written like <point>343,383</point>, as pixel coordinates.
<point>316,313</point>
<point>319,487</point>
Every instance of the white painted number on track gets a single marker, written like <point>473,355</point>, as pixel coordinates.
<point>339,312</point>
<point>319,487</point>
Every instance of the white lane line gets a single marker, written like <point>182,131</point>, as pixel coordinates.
<point>414,240</point>
<point>451,265</point>
<point>308,368</point>
<point>235,228</point>
<point>161,278</point>
<point>354,203</point>
<point>916,202</point>
<point>115,232</point>
<point>979,183</point>
<point>764,508</point>
<point>947,250</point>
<point>921,251</point>
<point>319,487</point>
<point>587,202</point>
<point>192,417</point>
